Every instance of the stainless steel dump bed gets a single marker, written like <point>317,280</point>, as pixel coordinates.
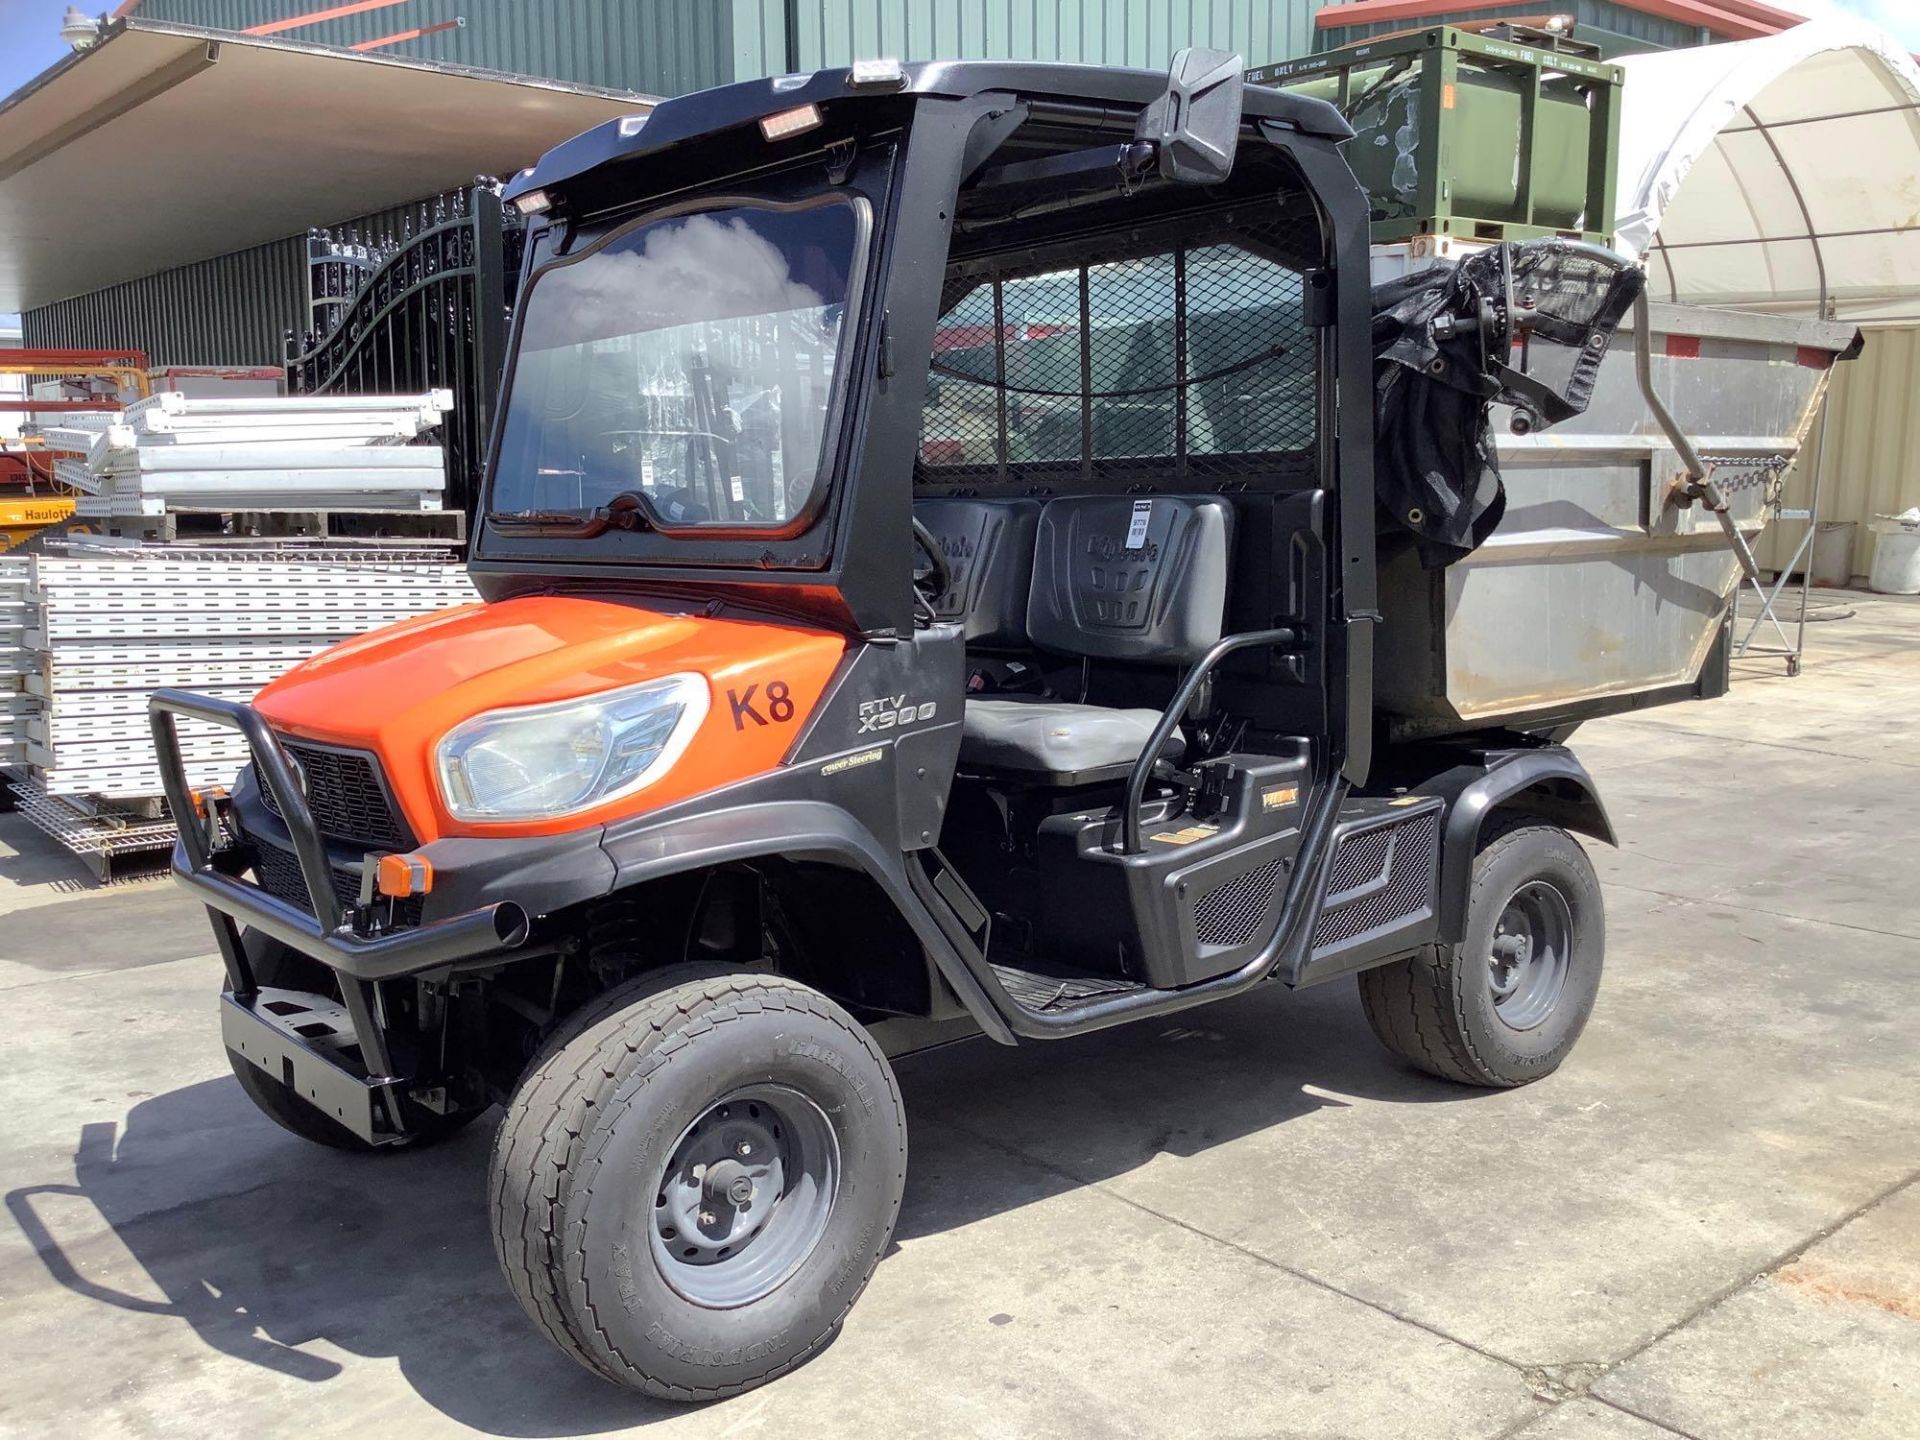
<point>1596,592</point>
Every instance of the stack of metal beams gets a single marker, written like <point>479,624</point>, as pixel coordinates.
<point>14,700</point>
<point>105,625</point>
<point>173,452</point>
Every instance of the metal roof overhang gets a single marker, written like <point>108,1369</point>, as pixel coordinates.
<point>166,144</point>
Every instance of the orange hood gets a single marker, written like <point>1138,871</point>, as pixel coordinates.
<point>398,690</point>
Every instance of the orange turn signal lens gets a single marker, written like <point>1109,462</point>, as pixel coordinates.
<point>399,876</point>
<point>203,799</point>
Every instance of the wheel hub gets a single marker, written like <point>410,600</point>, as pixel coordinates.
<point>730,1183</point>
<point>1531,952</point>
<point>744,1196</point>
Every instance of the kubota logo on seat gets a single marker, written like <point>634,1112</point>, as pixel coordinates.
<point>893,712</point>
<point>1105,547</point>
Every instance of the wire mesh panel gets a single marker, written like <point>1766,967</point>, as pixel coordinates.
<point>1191,360</point>
<point>1250,352</point>
<point>1236,912</point>
<point>1378,878</point>
<point>1133,353</point>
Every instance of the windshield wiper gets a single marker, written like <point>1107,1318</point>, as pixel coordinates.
<point>623,512</point>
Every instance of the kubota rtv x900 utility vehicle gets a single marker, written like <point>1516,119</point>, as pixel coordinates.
<point>930,560</point>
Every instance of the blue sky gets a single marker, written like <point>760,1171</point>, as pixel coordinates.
<point>30,37</point>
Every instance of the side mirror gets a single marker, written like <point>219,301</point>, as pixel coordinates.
<point>1195,125</point>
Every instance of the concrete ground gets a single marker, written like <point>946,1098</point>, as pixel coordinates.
<point>1250,1222</point>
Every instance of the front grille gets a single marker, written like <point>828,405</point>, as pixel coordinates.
<point>347,797</point>
<point>278,871</point>
<point>1379,876</point>
<point>1233,913</point>
<point>279,874</point>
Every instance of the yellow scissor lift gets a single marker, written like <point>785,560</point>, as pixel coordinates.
<point>30,499</point>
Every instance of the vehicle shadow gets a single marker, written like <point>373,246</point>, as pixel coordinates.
<point>261,1244</point>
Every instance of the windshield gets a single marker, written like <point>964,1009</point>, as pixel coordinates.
<point>687,361</point>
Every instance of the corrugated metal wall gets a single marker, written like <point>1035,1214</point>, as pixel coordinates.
<point>234,309</point>
<point>1872,427</point>
<point>1106,32</point>
<point>658,47</point>
<point>231,310</point>
<point>668,47</point>
<point>1617,29</point>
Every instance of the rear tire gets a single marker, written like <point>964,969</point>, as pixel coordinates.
<point>696,1179</point>
<point>1505,1006</point>
<point>280,967</point>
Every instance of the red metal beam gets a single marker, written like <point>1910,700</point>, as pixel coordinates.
<point>315,17</point>
<point>52,360</point>
<point>1735,19</point>
<point>413,34</point>
<point>1759,11</point>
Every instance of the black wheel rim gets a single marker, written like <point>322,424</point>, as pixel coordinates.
<point>745,1196</point>
<point>1531,953</point>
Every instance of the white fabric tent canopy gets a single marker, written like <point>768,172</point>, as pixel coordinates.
<point>1780,174</point>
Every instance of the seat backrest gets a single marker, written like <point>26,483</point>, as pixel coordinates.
<point>989,548</point>
<point>1131,577</point>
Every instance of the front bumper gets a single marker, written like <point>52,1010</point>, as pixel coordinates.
<point>486,892</point>
<point>335,1056</point>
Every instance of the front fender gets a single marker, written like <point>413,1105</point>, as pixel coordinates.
<point>1547,781</point>
<point>794,830</point>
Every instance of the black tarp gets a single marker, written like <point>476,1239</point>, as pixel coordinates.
<point>1442,345</point>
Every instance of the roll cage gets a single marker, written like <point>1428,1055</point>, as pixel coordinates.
<point>975,172</point>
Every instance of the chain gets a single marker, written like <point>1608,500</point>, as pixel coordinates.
<point>1752,471</point>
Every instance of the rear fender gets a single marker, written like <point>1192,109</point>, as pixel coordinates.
<point>1547,782</point>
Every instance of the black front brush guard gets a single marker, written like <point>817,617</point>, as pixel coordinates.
<point>329,934</point>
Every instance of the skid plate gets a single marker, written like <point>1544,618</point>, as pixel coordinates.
<point>306,1042</point>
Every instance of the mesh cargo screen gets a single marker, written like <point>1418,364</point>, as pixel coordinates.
<point>1195,359</point>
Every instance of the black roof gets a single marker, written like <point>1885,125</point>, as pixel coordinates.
<point>709,111</point>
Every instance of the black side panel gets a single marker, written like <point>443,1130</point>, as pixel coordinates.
<point>1280,578</point>
<point>1382,888</point>
<point>905,694</point>
<point>1200,901</point>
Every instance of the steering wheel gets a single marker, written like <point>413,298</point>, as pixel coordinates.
<point>934,581</point>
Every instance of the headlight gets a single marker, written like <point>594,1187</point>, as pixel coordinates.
<point>543,761</point>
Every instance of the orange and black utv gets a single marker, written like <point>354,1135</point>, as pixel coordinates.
<point>929,556</point>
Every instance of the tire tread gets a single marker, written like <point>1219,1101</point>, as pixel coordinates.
<point>548,1136</point>
<point>1416,1006</point>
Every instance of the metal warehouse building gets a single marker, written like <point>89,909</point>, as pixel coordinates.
<point>233,305</point>
<point>400,99</point>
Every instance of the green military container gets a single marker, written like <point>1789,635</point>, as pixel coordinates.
<point>1473,136</point>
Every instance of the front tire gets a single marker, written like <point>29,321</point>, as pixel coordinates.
<point>696,1179</point>
<point>1505,1006</point>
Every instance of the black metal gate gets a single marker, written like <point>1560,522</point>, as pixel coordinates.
<point>419,306</point>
